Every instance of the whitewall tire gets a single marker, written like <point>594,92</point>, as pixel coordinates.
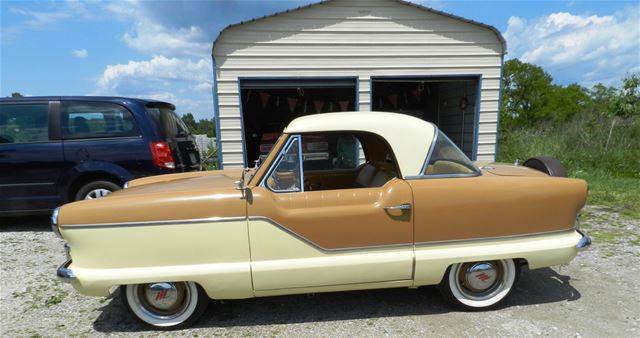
<point>481,285</point>
<point>165,305</point>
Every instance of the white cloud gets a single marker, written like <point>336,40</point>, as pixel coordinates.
<point>152,36</point>
<point>157,70</point>
<point>80,53</point>
<point>579,48</point>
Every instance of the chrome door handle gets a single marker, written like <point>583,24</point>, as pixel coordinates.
<point>404,206</point>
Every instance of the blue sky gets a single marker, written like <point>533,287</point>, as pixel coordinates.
<point>161,49</point>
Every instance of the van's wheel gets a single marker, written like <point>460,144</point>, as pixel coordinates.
<point>96,189</point>
<point>547,164</point>
<point>477,286</point>
<point>165,305</point>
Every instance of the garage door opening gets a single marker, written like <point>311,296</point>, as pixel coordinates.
<point>269,105</point>
<point>449,103</point>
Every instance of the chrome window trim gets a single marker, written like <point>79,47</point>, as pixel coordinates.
<point>276,162</point>
<point>431,148</point>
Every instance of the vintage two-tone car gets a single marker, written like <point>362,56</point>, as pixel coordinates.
<point>396,204</point>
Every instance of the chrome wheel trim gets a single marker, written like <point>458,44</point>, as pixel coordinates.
<point>174,307</point>
<point>499,276</point>
<point>97,193</point>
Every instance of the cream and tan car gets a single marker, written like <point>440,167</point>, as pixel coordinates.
<point>395,204</point>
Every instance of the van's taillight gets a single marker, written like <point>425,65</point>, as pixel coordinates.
<point>162,156</point>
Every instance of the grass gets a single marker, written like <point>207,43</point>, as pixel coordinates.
<point>610,164</point>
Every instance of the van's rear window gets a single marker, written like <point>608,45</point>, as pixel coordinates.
<point>168,122</point>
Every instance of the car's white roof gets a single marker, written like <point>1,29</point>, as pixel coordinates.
<point>408,136</point>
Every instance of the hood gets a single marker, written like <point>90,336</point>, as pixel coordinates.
<point>195,183</point>
<point>176,197</point>
<point>502,169</point>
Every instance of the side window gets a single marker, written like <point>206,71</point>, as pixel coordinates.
<point>447,159</point>
<point>286,175</point>
<point>331,152</point>
<point>346,160</point>
<point>95,120</point>
<point>24,123</point>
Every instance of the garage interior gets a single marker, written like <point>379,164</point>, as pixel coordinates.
<point>449,103</point>
<point>269,105</point>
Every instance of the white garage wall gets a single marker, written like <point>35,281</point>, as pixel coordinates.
<point>355,38</point>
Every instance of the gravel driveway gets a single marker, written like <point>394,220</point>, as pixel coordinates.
<point>597,295</point>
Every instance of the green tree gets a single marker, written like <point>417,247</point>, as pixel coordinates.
<point>627,101</point>
<point>16,94</point>
<point>523,96</point>
<point>190,121</point>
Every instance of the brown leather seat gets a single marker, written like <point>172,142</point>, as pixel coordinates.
<point>365,176</point>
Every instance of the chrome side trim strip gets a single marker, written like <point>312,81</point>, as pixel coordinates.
<point>419,177</point>
<point>153,223</point>
<point>315,245</point>
<point>467,240</point>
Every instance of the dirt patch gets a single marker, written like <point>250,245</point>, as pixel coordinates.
<point>595,295</point>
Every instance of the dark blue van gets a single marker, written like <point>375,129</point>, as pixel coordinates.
<point>54,150</point>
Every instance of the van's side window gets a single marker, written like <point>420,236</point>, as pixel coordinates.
<point>24,123</point>
<point>95,120</point>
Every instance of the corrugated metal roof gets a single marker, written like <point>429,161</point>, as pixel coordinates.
<point>408,3</point>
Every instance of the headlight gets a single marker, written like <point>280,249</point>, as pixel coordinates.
<point>54,222</point>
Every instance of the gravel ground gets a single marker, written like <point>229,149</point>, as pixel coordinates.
<point>596,295</point>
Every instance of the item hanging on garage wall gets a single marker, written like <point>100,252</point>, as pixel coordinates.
<point>464,103</point>
<point>248,96</point>
<point>393,99</point>
<point>318,104</point>
<point>264,99</point>
<point>344,105</point>
<point>292,101</point>
<point>305,107</point>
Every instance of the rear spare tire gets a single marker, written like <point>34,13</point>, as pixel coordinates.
<point>547,164</point>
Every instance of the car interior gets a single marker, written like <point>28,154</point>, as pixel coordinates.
<point>350,160</point>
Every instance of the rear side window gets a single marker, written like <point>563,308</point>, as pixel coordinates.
<point>168,122</point>
<point>96,120</point>
<point>447,159</point>
<point>24,123</point>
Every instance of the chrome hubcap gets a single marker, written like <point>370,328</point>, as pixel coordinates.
<point>162,296</point>
<point>96,193</point>
<point>480,280</point>
<point>480,276</point>
<point>163,300</point>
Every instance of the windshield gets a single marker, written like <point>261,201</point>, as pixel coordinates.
<point>168,122</point>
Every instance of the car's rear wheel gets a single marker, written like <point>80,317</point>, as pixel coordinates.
<point>479,285</point>
<point>96,189</point>
<point>165,305</point>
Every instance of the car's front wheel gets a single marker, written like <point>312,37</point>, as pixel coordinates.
<point>165,305</point>
<point>476,286</point>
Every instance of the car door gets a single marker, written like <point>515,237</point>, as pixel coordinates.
<point>31,157</point>
<point>306,239</point>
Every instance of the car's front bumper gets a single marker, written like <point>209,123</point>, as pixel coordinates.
<point>65,274</point>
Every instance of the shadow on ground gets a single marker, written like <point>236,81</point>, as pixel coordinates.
<point>535,287</point>
<point>25,223</point>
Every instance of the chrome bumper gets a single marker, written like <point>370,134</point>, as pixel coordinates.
<point>65,274</point>
<point>584,242</point>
